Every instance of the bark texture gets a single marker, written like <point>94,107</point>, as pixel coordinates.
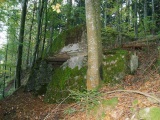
<point>20,46</point>
<point>94,43</point>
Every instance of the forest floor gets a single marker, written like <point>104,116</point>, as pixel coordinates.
<point>146,81</point>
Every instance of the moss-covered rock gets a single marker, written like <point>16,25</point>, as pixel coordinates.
<point>114,66</point>
<point>73,35</point>
<point>39,77</point>
<point>64,80</point>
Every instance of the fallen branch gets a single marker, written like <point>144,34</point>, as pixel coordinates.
<point>48,115</point>
<point>134,91</point>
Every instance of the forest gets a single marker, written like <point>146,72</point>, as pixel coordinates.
<point>79,59</point>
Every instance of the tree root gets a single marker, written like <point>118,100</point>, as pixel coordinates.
<point>137,92</point>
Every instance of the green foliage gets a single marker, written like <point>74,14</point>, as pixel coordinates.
<point>108,36</point>
<point>74,15</point>
<point>114,66</point>
<point>91,102</point>
<point>63,81</point>
<point>86,99</point>
<point>58,43</point>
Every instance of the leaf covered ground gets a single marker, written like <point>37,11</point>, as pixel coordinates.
<point>25,106</point>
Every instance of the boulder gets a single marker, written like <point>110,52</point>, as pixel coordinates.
<point>39,77</point>
<point>114,66</point>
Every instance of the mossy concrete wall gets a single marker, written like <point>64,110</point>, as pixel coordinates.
<point>73,35</point>
<point>41,73</point>
<point>114,66</point>
<point>63,80</point>
<point>39,77</point>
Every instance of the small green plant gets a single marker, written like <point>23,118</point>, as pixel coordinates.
<point>86,99</point>
<point>92,103</point>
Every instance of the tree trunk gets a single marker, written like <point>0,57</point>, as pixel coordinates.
<point>20,46</point>
<point>135,20</point>
<point>49,44</point>
<point>153,18</point>
<point>118,23</point>
<point>145,16</point>
<point>105,13</point>
<point>5,68</point>
<point>30,37</point>
<point>69,22</point>
<point>128,14</point>
<point>45,28</point>
<point>94,43</point>
<point>41,6</point>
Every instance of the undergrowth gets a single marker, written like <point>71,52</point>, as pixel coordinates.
<point>86,99</point>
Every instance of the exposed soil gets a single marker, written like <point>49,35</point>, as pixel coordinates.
<point>25,106</point>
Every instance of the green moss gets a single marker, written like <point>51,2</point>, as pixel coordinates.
<point>111,102</point>
<point>63,81</point>
<point>100,109</point>
<point>135,102</point>
<point>66,37</point>
<point>114,66</point>
<point>107,103</point>
<point>152,113</point>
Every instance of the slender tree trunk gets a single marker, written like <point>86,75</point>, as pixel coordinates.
<point>94,43</point>
<point>5,68</point>
<point>145,16</point>
<point>135,20</point>
<point>35,54</point>
<point>153,18</point>
<point>20,46</point>
<point>30,37</point>
<point>51,34</point>
<point>105,13</point>
<point>45,28</point>
<point>69,23</point>
<point>118,23</point>
<point>128,14</point>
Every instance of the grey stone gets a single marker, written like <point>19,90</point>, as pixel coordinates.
<point>76,61</point>
<point>133,63</point>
